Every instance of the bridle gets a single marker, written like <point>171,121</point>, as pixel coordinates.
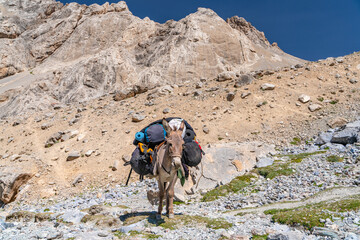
<point>167,149</point>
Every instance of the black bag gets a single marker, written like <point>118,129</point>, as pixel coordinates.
<point>189,135</point>
<point>141,163</point>
<point>191,154</point>
<point>155,134</point>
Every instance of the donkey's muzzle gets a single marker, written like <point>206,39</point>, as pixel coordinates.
<point>178,165</point>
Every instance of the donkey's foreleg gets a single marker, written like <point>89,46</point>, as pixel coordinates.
<point>170,198</point>
<point>161,186</point>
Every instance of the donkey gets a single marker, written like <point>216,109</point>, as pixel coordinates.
<point>168,162</point>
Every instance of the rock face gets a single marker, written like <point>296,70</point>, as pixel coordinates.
<point>82,52</point>
<point>10,184</point>
<point>223,162</point>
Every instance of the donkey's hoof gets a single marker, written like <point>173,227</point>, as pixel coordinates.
<point>171,215</point>
<point>158,216</point>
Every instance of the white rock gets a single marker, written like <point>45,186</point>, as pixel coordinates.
<point>74,133</point>
<point>88,153</point>
<point>224,76</point>
<point>268,86</point>
<point>81,137</point>
<point>314,107</point>
<point>304,98</point>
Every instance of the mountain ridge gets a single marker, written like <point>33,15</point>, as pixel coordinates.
<point>82,52</point>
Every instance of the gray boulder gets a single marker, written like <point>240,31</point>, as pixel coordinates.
<point>323,138</point>
<point>346,136</point>
<point>223,162</point>
<point>264,161</point>
<point>10,184</point>
<point>355,124</point>
<point>243,80</point>
<point>72,216</point>
<point>334,146</point>
<point>73,156</point>
<point>325,232</point>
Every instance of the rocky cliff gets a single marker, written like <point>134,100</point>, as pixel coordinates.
<point>71,53</point>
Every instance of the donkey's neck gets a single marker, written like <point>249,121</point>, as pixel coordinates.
<point>167,160</point>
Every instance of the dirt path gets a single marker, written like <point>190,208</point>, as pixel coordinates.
<point>327,195</point>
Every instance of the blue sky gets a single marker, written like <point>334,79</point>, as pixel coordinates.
<point>309,29</point>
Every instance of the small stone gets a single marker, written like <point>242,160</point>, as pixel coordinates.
<point>15,123</point>
<point>77,179</point>
<point>45,126</point>
<point>57,106</point>
<point>73,156</point>
<point>137,118</point>
<point>80,137</point>
<point>206,130</point>
<point>73,133</point>
<point>102,234</point>
<point>88,153</point>
<point>73,121</point>
<point>166,110</point>
<point>197,93</point>
<point>199,85</point>
<point>314,107</point>
<point>337,76</point>
<point>339,60</point>
<point>245,94</point>
<point>225,76</point>
<point>3,98</point>
<point>337,122</point>
<point>304,98</point>
<point>268,86</point>
<point>230,96</point>
<point>353,80</point>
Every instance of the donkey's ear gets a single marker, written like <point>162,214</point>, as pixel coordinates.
<point>166,127</point>
<point>182,125</point>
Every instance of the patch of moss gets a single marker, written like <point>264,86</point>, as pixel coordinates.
<point>41,217</point>
<point>334,101</point>
<point>151,236</point>
<point>134,219</point>
<point>297,158</point>
<point>234,186</point>
<point>134,233</point>
<point>119,235</point>
<point>309,216</point>
<point>21,216</point>
<point>101,220</point>
<point>320,99</point>
<point>260,237</point>
<point>296,141</point>
<point>187,220</point>
<point>275,170</point>
<point>334,158</point>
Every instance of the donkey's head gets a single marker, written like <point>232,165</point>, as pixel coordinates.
<point>174,144</point>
